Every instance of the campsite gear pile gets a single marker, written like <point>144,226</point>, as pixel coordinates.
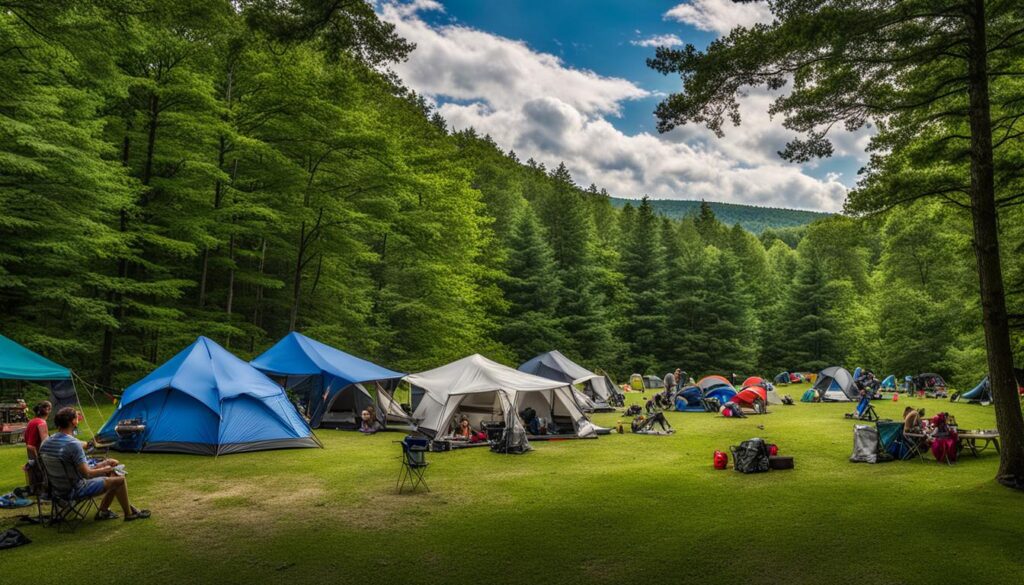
<point>753,456</point>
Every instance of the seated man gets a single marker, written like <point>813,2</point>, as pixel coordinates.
<point>87,481</point>
<point>530,420</point>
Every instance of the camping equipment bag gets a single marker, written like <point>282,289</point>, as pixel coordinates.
<point>721,460</point>
<point>865,444</point>
<point>773,450</point>
<point>750,456</point>
<point>780,462</point>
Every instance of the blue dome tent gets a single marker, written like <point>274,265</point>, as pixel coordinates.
<point>206,401</point>
<point>330,382</point>
<point>889,383</point>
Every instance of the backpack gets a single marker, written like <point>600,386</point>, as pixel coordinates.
<point>721,460</point>
<point>750,456</point>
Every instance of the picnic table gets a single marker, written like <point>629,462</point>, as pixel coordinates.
<point>969,440</point>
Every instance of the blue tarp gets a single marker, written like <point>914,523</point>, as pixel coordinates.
<point>324,371</point>
<point>205,400</point>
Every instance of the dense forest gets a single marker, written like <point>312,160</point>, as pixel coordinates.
<point>750,217</point>
<point>241,169</point>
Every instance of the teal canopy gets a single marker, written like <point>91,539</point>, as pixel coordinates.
<point>20,363</point>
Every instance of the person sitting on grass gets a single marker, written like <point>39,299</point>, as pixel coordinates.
<point>88,481</point>
<point>368,423</point>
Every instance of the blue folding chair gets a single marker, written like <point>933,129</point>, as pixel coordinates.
<point>865,411</point>
<point>414,463</point>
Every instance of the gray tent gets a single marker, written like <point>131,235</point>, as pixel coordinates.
<point>483,390</point>
<point>836,384</point>
<point>598,390</point>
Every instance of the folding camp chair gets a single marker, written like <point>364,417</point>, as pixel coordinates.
<point>893,441</point>
<point>414,463</point>
<point>66,510</point>
<point>865,411</point>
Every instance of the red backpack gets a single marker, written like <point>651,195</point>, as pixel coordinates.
<point>721,460</point>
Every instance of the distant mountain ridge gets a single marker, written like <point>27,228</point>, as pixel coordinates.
<point>750,217</point>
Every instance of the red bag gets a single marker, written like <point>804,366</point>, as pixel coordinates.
<point>773,450</point>
<point>721,460</point>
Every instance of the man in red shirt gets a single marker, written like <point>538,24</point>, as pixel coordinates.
<point>37,432</point>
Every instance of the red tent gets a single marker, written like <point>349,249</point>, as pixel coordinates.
<point>749,395</point>
<point>754,381</point>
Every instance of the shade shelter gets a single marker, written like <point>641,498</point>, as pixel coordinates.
<point>333,387</point>
<point>206,401</point>
<point>600,391</point>
<point>485,391</point>
<point>836,384</point>
<point>21,364</point>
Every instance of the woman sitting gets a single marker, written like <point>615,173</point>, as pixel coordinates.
<point>911,420</point>
<point>368,423</point>
<point>463,432</point>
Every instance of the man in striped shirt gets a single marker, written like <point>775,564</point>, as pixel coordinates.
<point>66,464</point>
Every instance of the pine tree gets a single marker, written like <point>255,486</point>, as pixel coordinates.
<point>533,290</point>
<point>644,271</point>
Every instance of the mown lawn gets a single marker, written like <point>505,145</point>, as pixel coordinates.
<point>621,509</point>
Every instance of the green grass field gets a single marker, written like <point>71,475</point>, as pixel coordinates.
<point>620,509</point>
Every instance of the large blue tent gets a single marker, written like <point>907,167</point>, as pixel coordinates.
<point>206,401</point>
<point>330,382</point>
<point>22,364</point>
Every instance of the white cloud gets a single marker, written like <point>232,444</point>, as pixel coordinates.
<point>719,16</point>
<point>669,40</point>
<point>536,104</point>
<point>467,64</point>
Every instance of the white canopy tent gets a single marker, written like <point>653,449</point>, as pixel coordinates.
<point>484,390</point>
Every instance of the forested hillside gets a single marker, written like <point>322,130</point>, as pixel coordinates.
<point>182,167</point>
<point>750,217</point>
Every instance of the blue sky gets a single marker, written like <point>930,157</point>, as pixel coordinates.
<point>565,80</point>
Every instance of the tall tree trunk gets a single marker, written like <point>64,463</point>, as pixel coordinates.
<point>986,249</point>
<point>218,187</point>
<point>297,279</point>
<point>257,304</point>
<point>107,349</point>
